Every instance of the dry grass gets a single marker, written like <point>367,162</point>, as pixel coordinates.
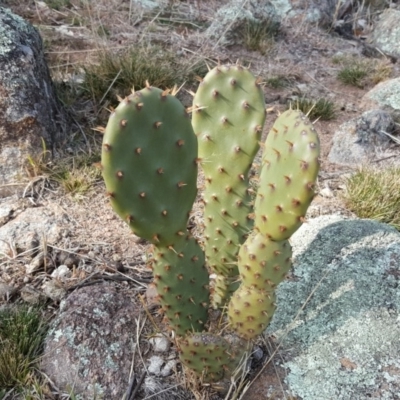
<point>375,194</point>
<point>360,72</point>
<point>259,35</point>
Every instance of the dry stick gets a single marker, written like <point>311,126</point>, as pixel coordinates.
<point>137,387</point>
<point>111,85</point>
<point>162,391</point>
<point>130,387</point>
<point>294,319</point>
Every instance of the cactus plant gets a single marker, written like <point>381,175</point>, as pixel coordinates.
<point>149,158</point>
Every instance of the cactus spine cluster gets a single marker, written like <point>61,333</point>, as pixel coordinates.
<point>150,154</point>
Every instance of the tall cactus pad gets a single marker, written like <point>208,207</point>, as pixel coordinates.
<point>263,263</point>
<point>211,356</point>
<point>149,161</point>
<point>181,280</point>
<point>228,116</point>
<point>289,170</point>
<point>250,311</point>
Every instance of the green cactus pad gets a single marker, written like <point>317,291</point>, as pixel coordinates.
<point>263,263</point>
<point>149,161</point>
<point>289,170</point>
<point>211,356</point>
<point>181,280</point>
<point>228,116</point>
<point>250,311</point>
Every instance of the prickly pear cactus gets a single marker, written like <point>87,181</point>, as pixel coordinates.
<point>228,116</point>
<point>149,161</point>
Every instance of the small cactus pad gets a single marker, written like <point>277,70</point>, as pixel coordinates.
<point>228,116</point>
<point>289,170</point>
<point>250,311</point>
<point>181,280</point>
<point>211,356</point>
<point>149,161</point>
<point>263,263</point>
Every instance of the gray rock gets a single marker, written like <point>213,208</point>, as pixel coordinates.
<point>29,108</point>
<point>386,32</point>
<point>31,228</point>
<point>230,19</point>
<point>160,343</point>
<point>362,140</point>
<point>344,344</point>
<point>155,365</point>
<point>61,272</point>
<point>89,346</point>
<point>54,290</point>
<point>385,95</point>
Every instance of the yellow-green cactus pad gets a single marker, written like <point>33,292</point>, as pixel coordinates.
<point>289,170</point>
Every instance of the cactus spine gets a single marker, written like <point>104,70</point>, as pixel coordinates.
<point>149,159</point>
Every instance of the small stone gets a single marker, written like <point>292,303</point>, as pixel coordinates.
<point>326,192</point>
<point>36,263</point>
<point>61,272</point>
<point>257,353</point>
<point>160,343</point>
<point>156,363</point>
<point>31,295</point>
<point>116,257</point>
<point>168,368</point>
<point>52,290</point>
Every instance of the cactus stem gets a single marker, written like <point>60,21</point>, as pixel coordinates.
<point>139,106</point>
<point>157,124</point>
<point>138,150</point>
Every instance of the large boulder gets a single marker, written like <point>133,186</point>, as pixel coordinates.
<point>386,33</point>
<point>29,109</point>
<point>338,316</point>
<point>385,95</point>
<point>362,140</point>
<point>91,344</point>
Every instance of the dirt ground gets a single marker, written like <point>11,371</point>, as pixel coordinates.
<point>75,35</point>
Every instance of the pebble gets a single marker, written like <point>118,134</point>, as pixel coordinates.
<point>160,343</point>
<point>61,272</point>
<point>156,363</point>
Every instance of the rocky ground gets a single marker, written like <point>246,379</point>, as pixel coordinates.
<point>83,234</point>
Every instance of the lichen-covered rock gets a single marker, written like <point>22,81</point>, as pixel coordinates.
<point>361,140</point>
<point>337,320</point>
<point>385,95</point>
<point>386,32</point>
<point>29,109</point>
<point>231,18</point>
<point>89,346</point>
